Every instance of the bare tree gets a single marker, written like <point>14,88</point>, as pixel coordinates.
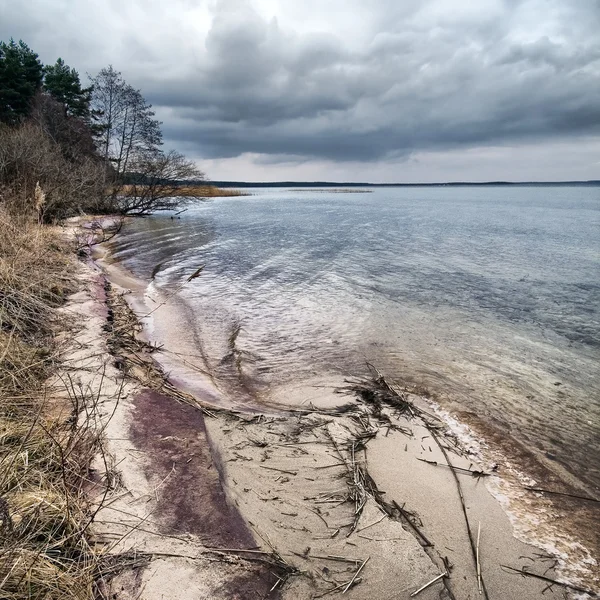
<point>71,133</point>
<point>125,127</point>
<point>159,183</point>
<point>139,176</point>
<point>108,104</point>
<point>138,134</point>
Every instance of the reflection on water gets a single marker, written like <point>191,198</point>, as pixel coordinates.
<point>488,296</point>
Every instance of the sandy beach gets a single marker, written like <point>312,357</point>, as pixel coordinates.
<point>372,495</point>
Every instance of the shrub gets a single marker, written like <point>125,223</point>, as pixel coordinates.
<point>30,160</point>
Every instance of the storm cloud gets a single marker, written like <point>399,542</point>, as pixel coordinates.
<point>354,82</point>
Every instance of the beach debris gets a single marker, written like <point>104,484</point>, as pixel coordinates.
<point>333,557</point>
<point>477,559</point>
<point>430,583</point>
<point>196,273</point>
<point>474,551</point>
<point>338,587</point>
<point>406,516</point>
<point>356,574</point>
<point>279,470</point>
<point>474,473</point>
<point>523,571</point>
<point>543,491</point>
<point>378,393</point>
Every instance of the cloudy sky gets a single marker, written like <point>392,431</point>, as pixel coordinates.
<point>348,90</point>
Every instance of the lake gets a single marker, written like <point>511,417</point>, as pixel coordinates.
<point>489,297</point>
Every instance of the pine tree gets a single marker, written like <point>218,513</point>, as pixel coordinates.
<point>62,83</point>
<point>21,74</point>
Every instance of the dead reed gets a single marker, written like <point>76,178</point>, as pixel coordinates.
<point>45,445</point>
<point>197,191</point>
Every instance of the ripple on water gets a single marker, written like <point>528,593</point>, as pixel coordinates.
<point>487,296</point>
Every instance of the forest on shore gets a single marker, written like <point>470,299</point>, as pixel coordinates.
<point>68,148</point>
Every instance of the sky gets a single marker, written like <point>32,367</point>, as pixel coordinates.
<point>348,90</point>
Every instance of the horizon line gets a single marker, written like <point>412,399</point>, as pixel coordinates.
<point>287,183</point>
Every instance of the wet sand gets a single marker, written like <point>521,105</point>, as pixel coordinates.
<point>286,483</point>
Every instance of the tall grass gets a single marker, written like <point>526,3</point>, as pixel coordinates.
<point>194,191</point>
<point>45,449</point>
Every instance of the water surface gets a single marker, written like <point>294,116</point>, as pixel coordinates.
<point>489,297</point>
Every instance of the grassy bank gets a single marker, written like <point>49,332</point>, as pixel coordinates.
<point>45,445</point>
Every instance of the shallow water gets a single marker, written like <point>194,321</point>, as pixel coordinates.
<point>489,297</point>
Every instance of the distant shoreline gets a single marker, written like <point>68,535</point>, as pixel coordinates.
<point>346,184</point>
<point>334,190</point>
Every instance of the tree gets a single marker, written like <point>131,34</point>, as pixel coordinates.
<point>141,177</point>
<point>72,134</point>
<point>21,75</point>
<point>126,129</point>
<point>156,183</point>
<point>62,83</point>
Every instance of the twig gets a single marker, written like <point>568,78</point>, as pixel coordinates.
<point>279,470</point>
<point>424,587</point>
<point>336,558</point>
<point>477,558</point>
<point>335,589</point>
<point>420,534</point>
<point>356,575</point>
<point>550,580</point>
<point>533,489</point>
<point>437,464</point>
<point>462,503</point>
<point>320,517</point>
<point>371,524</point>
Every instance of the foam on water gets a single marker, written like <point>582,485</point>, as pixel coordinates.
<point>532,523</point>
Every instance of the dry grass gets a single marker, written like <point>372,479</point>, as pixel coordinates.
<point>34,278</point>
<point>199,191</point>
<point>210,191</point>
<point>44,453</point>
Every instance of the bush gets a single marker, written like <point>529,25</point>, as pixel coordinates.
<point>36,179</point>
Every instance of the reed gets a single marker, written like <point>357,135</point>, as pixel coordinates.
<point>194,191</point>
<point>45,449</point>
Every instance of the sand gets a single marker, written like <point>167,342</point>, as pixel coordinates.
<point>278,502</point>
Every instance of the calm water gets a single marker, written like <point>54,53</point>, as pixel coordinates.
<point>489,297</point>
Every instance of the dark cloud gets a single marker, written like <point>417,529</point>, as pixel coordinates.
<point>363,81</point>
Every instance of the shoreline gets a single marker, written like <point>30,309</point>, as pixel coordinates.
<point>385,445</point>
